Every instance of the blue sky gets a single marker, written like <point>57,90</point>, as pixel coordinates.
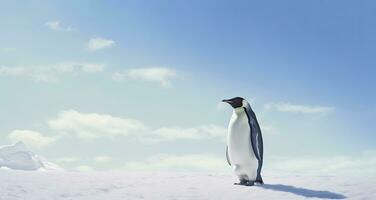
<point>127,85</point>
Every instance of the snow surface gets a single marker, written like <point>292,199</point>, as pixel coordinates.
<point>51,185</point>
<point>18,156</point>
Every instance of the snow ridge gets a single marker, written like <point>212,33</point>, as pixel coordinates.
<point>19,157</point>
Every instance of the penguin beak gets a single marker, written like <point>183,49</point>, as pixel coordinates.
<point>228,101</point>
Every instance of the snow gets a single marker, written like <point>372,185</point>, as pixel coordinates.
<point>18,156</point>
<point>36,178</point>
<point>47,185</point>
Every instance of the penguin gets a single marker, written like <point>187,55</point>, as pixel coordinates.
<point>244,150</point>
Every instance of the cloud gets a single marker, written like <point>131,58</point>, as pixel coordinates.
<point>99,43</point>
<point>52,72</point>
<point>194,162</point>
<point>195,133</point>
<point>80,66</point>
<point>118,76</point>
<point>67,159</point>
<point>294,108</point>
<point>159,75</point>
<point>363,163</point>
<point>102,159</point>
<point>56,26</point>
<point>93,125</point>
<point>98,126</point>
<point>84,168</point>
<point>31,138</point>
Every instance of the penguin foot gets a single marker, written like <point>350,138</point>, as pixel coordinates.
<point>242,182</point>
<point>250,183</point>
<point>260,182</point>
<point>245,183</point>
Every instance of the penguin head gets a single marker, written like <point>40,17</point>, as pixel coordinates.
<point>236,102</point>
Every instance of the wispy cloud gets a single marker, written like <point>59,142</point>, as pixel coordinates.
<point>80,66</point>
<point>296,108</point>
<point>84,168</point>
<point>50,73</point>
<point>363,163</point>
<point>99,43</point>
<point>159,75</point>
<point>195,133</point>
<point>57,26</point>
<point>67,159</point>
<point>102,159</point>
<point>31,138</point>
<point>194,162</point>
<point>93,125</point>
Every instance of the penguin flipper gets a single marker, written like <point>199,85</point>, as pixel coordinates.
<point>254,145</point>
<point>227,157</point>
<point>256,136</point>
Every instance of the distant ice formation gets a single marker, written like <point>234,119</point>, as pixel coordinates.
<point>18,156</point>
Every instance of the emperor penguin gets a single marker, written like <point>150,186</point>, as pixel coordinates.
<point>244,150</point>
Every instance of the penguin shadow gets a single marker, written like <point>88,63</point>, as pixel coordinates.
<point>303,191</point>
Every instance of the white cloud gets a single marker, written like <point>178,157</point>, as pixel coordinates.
<point>294,108</point>
<point>31,138</point>
<point>80,66</point>
<point>102,159</point>
<point>99,43</point>
<point>118,76</point>
<point>195,162</point>
<point>93,125</point>
<point>34,73</point>
<point>363,163</point>
<point>67,159</point>
<point>52,72</point>
<point>159,75</point>
<point>195,133</point>
<point>57,26</point>
<point>11,71</point>
<point>97,126</point>
<point>84,168</point>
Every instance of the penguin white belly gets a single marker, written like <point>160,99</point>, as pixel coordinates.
<point>240,151</point>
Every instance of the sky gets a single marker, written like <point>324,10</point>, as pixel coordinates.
<point>137,85</point>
